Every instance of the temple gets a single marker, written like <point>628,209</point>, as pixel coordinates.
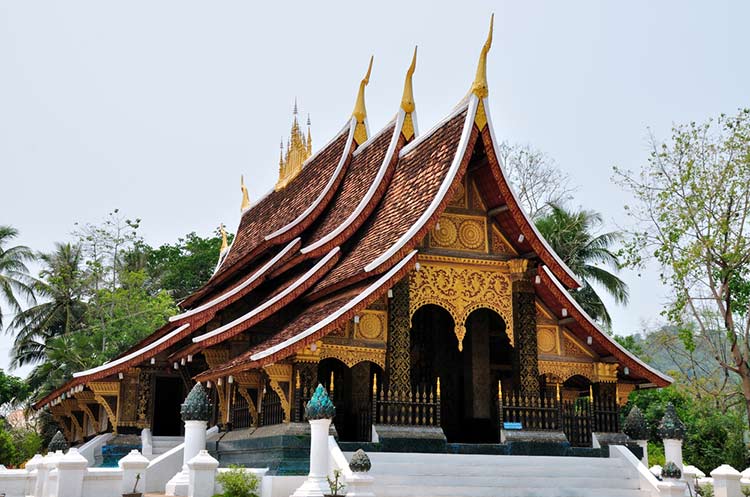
<point>399,270</point>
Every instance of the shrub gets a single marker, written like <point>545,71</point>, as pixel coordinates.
<point>237,483</point>
<point>705,490</point>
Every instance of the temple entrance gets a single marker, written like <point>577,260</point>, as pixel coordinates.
<point>468,378</point>
<point>168,396</point>
<point>351,392</point>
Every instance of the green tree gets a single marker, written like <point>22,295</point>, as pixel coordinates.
<point>14,274</point>
<point>572,236</point>
<point>183,267</point>
<point>693,213</point>
<point>62,286</point>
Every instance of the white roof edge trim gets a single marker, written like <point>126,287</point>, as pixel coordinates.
<point>374,137</point>
<point>323,193</point>
<point>427,214</point>
<point>132,355</point>
<point>341,311</point>
<point>575,304</point>
<point>257,274</point>
<point>515,198</point>
<point>408,148</point>
<point>370,192</point>
<point>271,301</point>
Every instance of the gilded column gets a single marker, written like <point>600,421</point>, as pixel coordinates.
<point>398,360</point>
<point>526,360</point>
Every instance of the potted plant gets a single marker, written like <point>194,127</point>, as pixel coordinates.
<point>335,484</point>
<point>135,492</point>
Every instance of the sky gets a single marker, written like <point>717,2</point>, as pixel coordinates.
<point>157,108</point>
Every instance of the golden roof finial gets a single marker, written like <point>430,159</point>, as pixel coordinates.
<point>245,196</point>
<point>309,137</point>
<point>479,87</point>
<point>360,113</point>
<point>224,243</point>
<point>407,100</point>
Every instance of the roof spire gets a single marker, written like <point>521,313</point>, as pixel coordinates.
<point>224,243</point>
<point>295,107</point>
<point>479,87</point>
<point>407,100</point>
<point>297,152</point>
<point>360,113</point>
<point>245,196</point>
<point>309,136</point>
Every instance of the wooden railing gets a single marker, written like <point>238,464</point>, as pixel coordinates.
<point>417,408</point>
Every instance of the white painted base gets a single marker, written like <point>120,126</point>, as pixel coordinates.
<point>179,484</point>
<point>313,487</point>
<point>672,488</point>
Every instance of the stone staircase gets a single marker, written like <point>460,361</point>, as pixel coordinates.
<point>164,444</point>
<point>454,475</point>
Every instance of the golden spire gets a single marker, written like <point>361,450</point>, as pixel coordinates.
<point>360,113</point>
<point>407,100</point>
<point>479,87</point>
<point>245,196</point>
<point>224,243</point>
<point>309,137</point>
<point>298,149</point>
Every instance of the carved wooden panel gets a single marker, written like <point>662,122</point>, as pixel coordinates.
<point>460,232</point>
<point>373,325</point>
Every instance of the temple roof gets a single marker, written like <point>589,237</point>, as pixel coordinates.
<point>341,231</point>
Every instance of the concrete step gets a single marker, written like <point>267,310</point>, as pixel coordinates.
<point>412,490</point>
<point>431,469</point>
<point>497,481</point>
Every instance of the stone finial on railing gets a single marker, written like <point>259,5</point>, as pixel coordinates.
<point>635,425</point>
<point>360,463</point>
<point>726,481</point>
<point>671,426</point>
<point>57,443</point>
<point>671,471</point>
<point>320,405</point>
<point>197,405</point>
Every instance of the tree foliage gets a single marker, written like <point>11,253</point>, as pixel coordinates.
<point>573,237</point>
<point>536,178</point>
<point>14,274</point>
<point>693,210</point>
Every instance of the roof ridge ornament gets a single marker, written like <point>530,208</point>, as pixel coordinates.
<point>479,87</point>
<point>407,100</point>
<point>245,195</point>
<point>360,112</point>
<point>224,243</point>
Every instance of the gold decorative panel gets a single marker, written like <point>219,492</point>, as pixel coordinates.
<point>572,348</point>
<point>547,340</point>
<point>460,232</point>
<point>499,244</point>
<point>565,370</point>
<point>352,356</point>
<point>461,286</point>
<point>605,372</point>
<point>372,325</point>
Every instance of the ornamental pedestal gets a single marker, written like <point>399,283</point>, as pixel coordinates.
<point>319,411</point>
<point>195,412</point>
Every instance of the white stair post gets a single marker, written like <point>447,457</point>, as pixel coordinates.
<point>32,466</point>
<point>70,471</point>
<point>672,431</point>
<point>202,475</point>
<point>43,485</point>
<point>133,468</point>
<point>319,412</point>
<point>195,412</point>
<point>147,443</point>
<point>726,481</point>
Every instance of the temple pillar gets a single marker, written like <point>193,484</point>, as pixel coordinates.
<point>305,381</point>
<point>398,359</point>
<point>526,360</point>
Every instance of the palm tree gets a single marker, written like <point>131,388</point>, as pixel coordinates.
<point>14,275</point>
<point>572,236</point>
<point>62,284</point>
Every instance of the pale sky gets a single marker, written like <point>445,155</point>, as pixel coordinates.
<point>156,108</point>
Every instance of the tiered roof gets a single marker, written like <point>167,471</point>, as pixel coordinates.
<point>338,234</point>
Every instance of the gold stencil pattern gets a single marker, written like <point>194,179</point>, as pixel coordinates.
<point>460,232</point>
<point>460,290</point>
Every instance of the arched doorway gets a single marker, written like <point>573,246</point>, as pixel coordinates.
<point>351,392</point>
<point>469,378</point>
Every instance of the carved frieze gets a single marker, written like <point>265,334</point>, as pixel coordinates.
<point>462,286</point>
<point>373,325</point>
<point>566,369</point>
<point>351,355</point>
